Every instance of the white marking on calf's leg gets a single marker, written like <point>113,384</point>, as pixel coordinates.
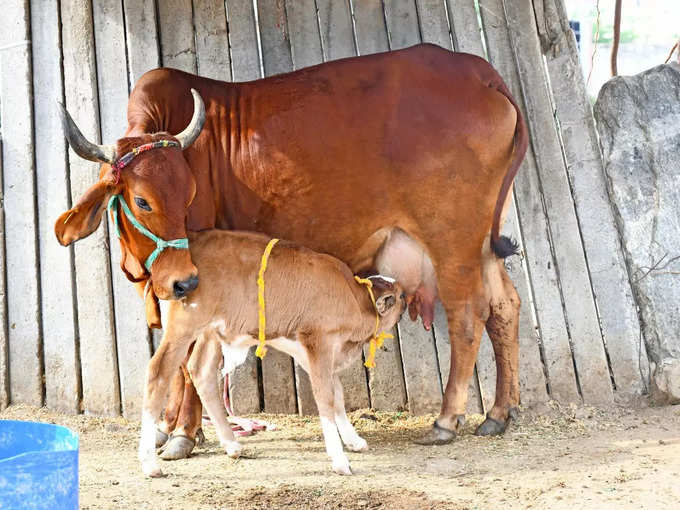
<point>339,460</point>
<point>147,446</point>
<point>349,435</point>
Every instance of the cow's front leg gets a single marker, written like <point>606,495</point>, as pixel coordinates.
<point>320,376</point>
<point>349,435</point>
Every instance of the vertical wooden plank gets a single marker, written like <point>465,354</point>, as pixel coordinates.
<point>278,378</point>
<point>305,396</point>
<point>93,278</point>
<point>212,43</point>
<point>62,366</point>
<point>4,347</point>
<point>386,384</point>
<point>245,61</point>
<point>609,278</point>
<point>542,267</point>
<point>244,387</point>
<point>402,23</point>
<point>176,27</point>
<point>369,23</point>
<point>23,307</point>
<point>465,31</point>
<point>303,27</point>
<point>141,37</point>
<point>421,373</point>
<point>532,381</point>
<point>443,345</point>
<point>579,302</point>
<point>337,36</point>
<point>434,27</point>
<point>132,335</point>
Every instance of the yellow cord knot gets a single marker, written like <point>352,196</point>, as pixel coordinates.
<point>262,320</point>
<point>378,338</point>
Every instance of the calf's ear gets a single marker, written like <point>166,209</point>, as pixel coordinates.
<point>385,302</point>
<point>83,219</point>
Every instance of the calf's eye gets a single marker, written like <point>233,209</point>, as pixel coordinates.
<point>142,204</point>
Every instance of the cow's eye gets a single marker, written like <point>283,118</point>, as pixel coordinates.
<point>142,204</point>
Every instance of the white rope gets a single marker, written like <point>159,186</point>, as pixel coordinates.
<point>14,45</point>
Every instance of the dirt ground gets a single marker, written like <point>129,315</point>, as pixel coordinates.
<point>553,457</point>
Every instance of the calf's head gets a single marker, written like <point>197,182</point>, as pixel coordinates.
<point>148,186</point>
<point>390,301</point>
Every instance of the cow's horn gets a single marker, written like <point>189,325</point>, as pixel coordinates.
<point>84,148</point>
<point>191,132</point>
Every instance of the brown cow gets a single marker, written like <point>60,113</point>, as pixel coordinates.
<point>315,312</point>
<point>400,163</point>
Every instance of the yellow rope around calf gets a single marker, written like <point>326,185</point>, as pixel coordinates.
<point>262,321</point>
<point>378,338</point>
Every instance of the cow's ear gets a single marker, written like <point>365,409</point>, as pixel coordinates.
<point>385,302</point>
<point>80,221</point>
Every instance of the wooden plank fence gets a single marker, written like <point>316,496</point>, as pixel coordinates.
<point>72,330</point>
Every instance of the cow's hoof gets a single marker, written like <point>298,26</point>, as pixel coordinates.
<point>492,427</point>
<point>233,449</point>
<point>436,435</point>
<point>177,447</point>
<point>341,467</point>
<point>161,438</point>
<point>360,445</point>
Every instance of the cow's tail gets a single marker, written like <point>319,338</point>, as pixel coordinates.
<point>504,246</point>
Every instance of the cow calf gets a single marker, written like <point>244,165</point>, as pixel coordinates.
<point>315,311</point>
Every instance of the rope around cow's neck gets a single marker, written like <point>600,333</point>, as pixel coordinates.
<point>378,338</point>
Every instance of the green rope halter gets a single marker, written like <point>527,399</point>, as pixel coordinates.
<point>161,244</point>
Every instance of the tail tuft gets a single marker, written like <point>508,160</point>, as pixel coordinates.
<point>505,247</point>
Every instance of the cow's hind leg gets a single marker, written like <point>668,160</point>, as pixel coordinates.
<point>467,311</point>
<point>503,328</point>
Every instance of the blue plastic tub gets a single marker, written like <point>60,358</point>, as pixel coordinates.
<point>38,466</point>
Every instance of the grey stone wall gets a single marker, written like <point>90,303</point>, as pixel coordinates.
<point>638,119</point>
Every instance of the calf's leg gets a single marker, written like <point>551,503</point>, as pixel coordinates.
<point>203,366</point>
<point>171,409</point>
<point>320,376</point>
<point>349,435</point>
<point>159,373</point>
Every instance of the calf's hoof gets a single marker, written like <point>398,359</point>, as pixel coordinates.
<point>493,427</point>
<point>161,438</point>
<point>177,447</point>
<point>233,449</point>
<point>436,435</point>
<point>151,469</point>
<point>341,467</point>
<point>360,445</point>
